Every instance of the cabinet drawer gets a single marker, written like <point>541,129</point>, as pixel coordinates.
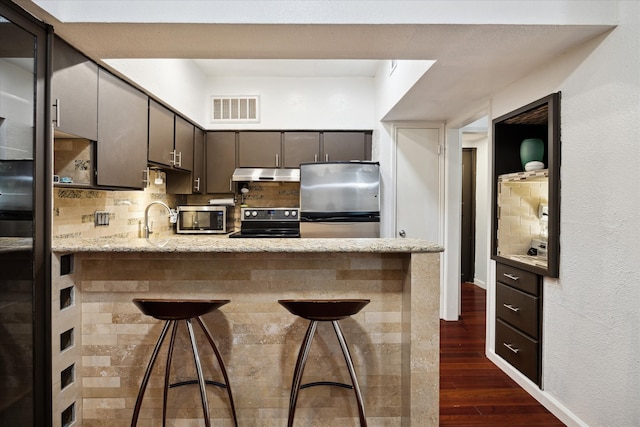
<point>518,309</point>
<point>519,350</point>
<point>520,279</point>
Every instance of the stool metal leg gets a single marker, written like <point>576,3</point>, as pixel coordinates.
<point>196,358</point>
<point>147,374</point>
<point>167,371</point>
<point>352,372</point>
<point>299,369</point>
<point>222,368</point>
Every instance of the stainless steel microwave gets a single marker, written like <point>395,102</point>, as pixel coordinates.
<point>205,219</point>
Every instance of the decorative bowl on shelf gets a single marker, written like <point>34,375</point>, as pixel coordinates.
<point>531,149</point>
<point>533,166</point>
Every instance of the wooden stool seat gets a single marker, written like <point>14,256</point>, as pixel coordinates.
<point>177,309</point>
<point>324,310</point>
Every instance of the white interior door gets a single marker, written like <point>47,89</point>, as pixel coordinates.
<point>418,195</point>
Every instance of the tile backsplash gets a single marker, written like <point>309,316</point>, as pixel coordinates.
<point>518,220</point>
<point>74,208</point>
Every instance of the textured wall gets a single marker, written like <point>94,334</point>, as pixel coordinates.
<point>591,357</point>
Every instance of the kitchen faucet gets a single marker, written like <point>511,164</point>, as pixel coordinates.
<point>173,217</point>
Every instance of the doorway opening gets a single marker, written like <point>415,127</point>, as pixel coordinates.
<point>468,215</point>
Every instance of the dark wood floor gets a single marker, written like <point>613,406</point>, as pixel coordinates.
<point>473,391</point>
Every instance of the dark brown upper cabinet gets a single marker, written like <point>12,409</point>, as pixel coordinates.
<point>121,153</point>
<point>184,143</point>
<point>526,204</point>
<point>170,138</point>
<point>346,146</point>
<point>221,161</point>
<point>300,147</point>
<point>198,177</point>
<point>74,92</point>
<point>259,149</point>
<point>307,147</point>
<point>161,133</point>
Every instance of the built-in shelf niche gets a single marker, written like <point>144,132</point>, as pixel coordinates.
<point>67,297</point>
<point>540,119</point>
<point>67,377</point>
<point>66,339</point>
<point>73,162</point>
<point>68,416</point>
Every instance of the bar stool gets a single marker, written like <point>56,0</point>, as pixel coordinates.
<point>315,311</point>
<point>173,311</point>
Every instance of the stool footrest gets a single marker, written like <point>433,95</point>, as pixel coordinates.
<point>331,383</point>
<point>191,382</point>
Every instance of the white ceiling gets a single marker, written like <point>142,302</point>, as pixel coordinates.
<point>473,61</point>
<point>289,67</point>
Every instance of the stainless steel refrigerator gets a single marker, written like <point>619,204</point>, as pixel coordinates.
<point>340,199</point>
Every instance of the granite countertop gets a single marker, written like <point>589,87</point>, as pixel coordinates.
<point>197,243</point>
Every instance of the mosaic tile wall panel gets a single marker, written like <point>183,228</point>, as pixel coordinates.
<point>394,340</point>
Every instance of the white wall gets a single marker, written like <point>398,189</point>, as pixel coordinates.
<point>591,335</point>
<point>301,102</point>
<point>285,102</point>
<point>176,82</point>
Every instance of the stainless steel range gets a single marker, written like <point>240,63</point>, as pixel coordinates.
<point>269,222</point>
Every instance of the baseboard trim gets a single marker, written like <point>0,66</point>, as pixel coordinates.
<point>545,399</point>
<point>480,283</point>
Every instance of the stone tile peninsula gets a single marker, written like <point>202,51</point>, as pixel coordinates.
<point>101,343</point>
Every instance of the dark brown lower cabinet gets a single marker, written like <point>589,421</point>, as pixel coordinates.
<point>518,320</point>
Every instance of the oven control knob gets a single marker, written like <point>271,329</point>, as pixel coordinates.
<point>254,213</point>
<point>294,213</point>
<point>286,213</point>
<point>247,213</point>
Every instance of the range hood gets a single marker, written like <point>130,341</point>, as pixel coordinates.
<point>259,174</point>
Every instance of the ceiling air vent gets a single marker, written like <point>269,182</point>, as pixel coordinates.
<point>235,109</point>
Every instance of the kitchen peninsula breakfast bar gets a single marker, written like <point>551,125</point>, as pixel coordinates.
<point>101,342</point>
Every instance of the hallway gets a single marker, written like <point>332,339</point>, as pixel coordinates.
<point>473,391</point>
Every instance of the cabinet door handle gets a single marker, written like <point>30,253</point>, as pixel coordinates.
<point>230,185</point>
<point>326,157</point>
<point>315,158</point>
<point>512,308</point>
<point>511,347</point>
<point>511,276</point>
<point>178,159</point>
<point>145,178</point>
<point>277,161</point>
<point>173,158</point>
<point>57,119</point>
<point>196,186</point>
